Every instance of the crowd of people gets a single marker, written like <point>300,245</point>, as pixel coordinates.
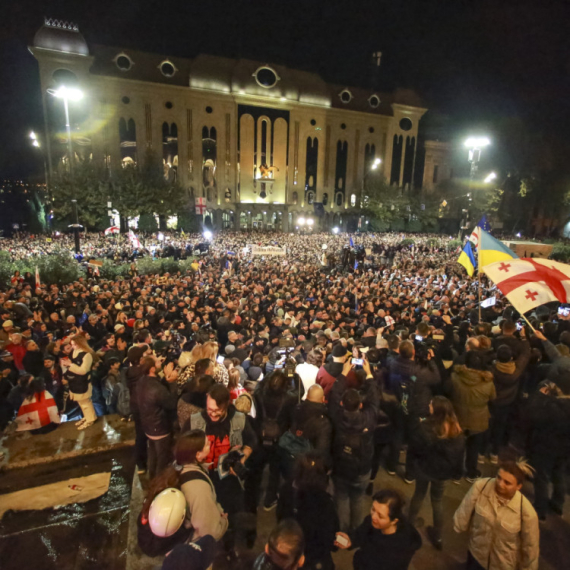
<point>324,365</point>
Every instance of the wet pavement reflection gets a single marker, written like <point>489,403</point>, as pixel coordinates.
<point>79,536</point>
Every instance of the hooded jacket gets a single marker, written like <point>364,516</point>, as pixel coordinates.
<point>507,376</point>
<point>328,374</point>
<point>472,390</point>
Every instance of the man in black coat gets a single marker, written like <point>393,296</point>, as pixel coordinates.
<point>354,420</point>
<point>155,400</point>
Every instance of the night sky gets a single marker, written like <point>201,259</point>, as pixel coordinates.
<point>477,65</point>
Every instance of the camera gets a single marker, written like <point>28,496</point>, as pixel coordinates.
<point>233,461</point>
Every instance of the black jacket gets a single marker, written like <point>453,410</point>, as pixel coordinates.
<point>155,400</point>
<point>33,362</point>
<point>378,551</point>
<point>507,381</point>
<point>547,425</point>
<point>353,441</point>
<point>133,375</point>
<point>438,458</point>
<point>316,514</point>
<point>313,420</point>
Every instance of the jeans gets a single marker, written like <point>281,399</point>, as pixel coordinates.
<point>473,447</point>
<point>159,455</point>
<point>499,424</point>
<point>401,436</point>
<point>548,468</point>
<point>349,499</point>
<point>436,494</point>
<point>259,458</point>
<point>141,450</point>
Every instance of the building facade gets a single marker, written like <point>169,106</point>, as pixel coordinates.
<point>263,144</point>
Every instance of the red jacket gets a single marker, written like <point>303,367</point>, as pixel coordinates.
<point>18,351</point>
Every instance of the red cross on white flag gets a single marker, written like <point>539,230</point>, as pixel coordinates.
<point>528,283</point>
<point>201,206</point>
<point>37,411</point>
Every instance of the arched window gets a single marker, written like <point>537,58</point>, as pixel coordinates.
<point>128,141</point>
<point>312,158</point>
<point>310,197</point>
<point>353,200</point>
<point>209,157</point>
<point>294,198</point>
<point>325,199</point>
<point>170,150</point>
<point>339,198</point>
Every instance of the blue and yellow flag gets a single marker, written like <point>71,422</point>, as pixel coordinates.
<point>467,259</point>
<point>492,250</point>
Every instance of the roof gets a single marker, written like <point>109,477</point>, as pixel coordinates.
<point>61,36</point>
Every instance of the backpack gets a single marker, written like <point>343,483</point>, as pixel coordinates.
<point>290,447</point>
<point>270,428</point>
<point>123,395</point>
<point>348,450</point>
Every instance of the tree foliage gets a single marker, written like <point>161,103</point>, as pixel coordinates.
<point>133,190</point>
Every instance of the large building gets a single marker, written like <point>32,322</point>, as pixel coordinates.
<point>263,144</point>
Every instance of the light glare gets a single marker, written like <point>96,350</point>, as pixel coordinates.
<point>477,142</point>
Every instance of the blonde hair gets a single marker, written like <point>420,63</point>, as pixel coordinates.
<point>81,343</point>
<point>210,350</point>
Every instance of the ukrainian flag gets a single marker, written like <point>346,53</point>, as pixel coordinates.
<point>467,259</point>
<point>492,250</point>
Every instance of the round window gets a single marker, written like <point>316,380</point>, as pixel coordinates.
<point>374,101</point>
<point>64,77</point>
<point>406,124</point>
<point>168,105</point>
<point>346,96</point>
<point>266,77</point>
<point>125,100</point>
<point>124,63</point>
<point>370,129</point>
<point>209,110</point>
<point>342,126</point>
<point>167,69</point>
<point>313,122</point>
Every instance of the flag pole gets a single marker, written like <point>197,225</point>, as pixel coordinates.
<point>479,280</point>
<point>528,322</point>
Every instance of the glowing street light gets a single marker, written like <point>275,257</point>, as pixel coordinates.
<point>208,235</point>
<point>36,143</point>
<point>490,177</point>
<point>301,221</point>
<point>67,94</point>
<point>33,136</point>
<point>310,222</point>
<point>477,142</point>
<point>335,230</point>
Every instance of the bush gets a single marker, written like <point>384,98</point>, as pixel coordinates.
<point>110,270</point>
<point>407,241</point>
<point>414,226</point>
<point>454,244</point>
<point>560,252</point>
<point>189,222</point>
<point>147,223</point>
<point>149,266</point>
<point>169,265</point>
<point>397,225</point>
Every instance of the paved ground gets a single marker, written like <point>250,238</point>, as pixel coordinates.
<point>102,533</point>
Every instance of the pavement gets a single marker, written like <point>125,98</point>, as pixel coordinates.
<point>24,449</point>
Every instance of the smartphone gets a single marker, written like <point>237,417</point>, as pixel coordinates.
<point>438,337</point>
<point>419,338</point>
<point>564,311</point>
<point>519,326</point>
<point>357,361</point>
<point>341,540</point>
<point>220,359</point>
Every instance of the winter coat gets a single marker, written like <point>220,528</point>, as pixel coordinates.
<point>205,513</point>
<point>472,390</point>
<point>559,369</point>
<point>313,420</point>
<point>505,538</point>
<point>378,551</point>
<point>316,514</point>
<point>438,458</point>
<point>507,376</point>
<point>546,421</point>
<point>155,400</point>
<point>353,441</point>
<point>327,376</point>
<point>33,362</point>
<point>133,375</point>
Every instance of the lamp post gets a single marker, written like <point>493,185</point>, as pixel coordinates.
<point>36,144</point>
<point>67,94</point>
<point>70,94</point>
<point>474,146</point>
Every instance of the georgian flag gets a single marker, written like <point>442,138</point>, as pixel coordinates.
<point>38,411</point>
<point>38,284</point>
<point>134,240</point>
<point>528,283</point>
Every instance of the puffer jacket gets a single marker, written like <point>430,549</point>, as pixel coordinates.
<point>507,376</point>
<point>472,390</point>
<point>499,539</point>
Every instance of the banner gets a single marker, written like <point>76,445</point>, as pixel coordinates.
<point>268,250</point>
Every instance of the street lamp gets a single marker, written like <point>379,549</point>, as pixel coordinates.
<point>376,163</point>
<point>335,230</point>
<point>70,94</point>
<point>36,144</point>
<point>301,221</point>
<point>475,145</point>
<point>67,94</point>
<point>490,177</point>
